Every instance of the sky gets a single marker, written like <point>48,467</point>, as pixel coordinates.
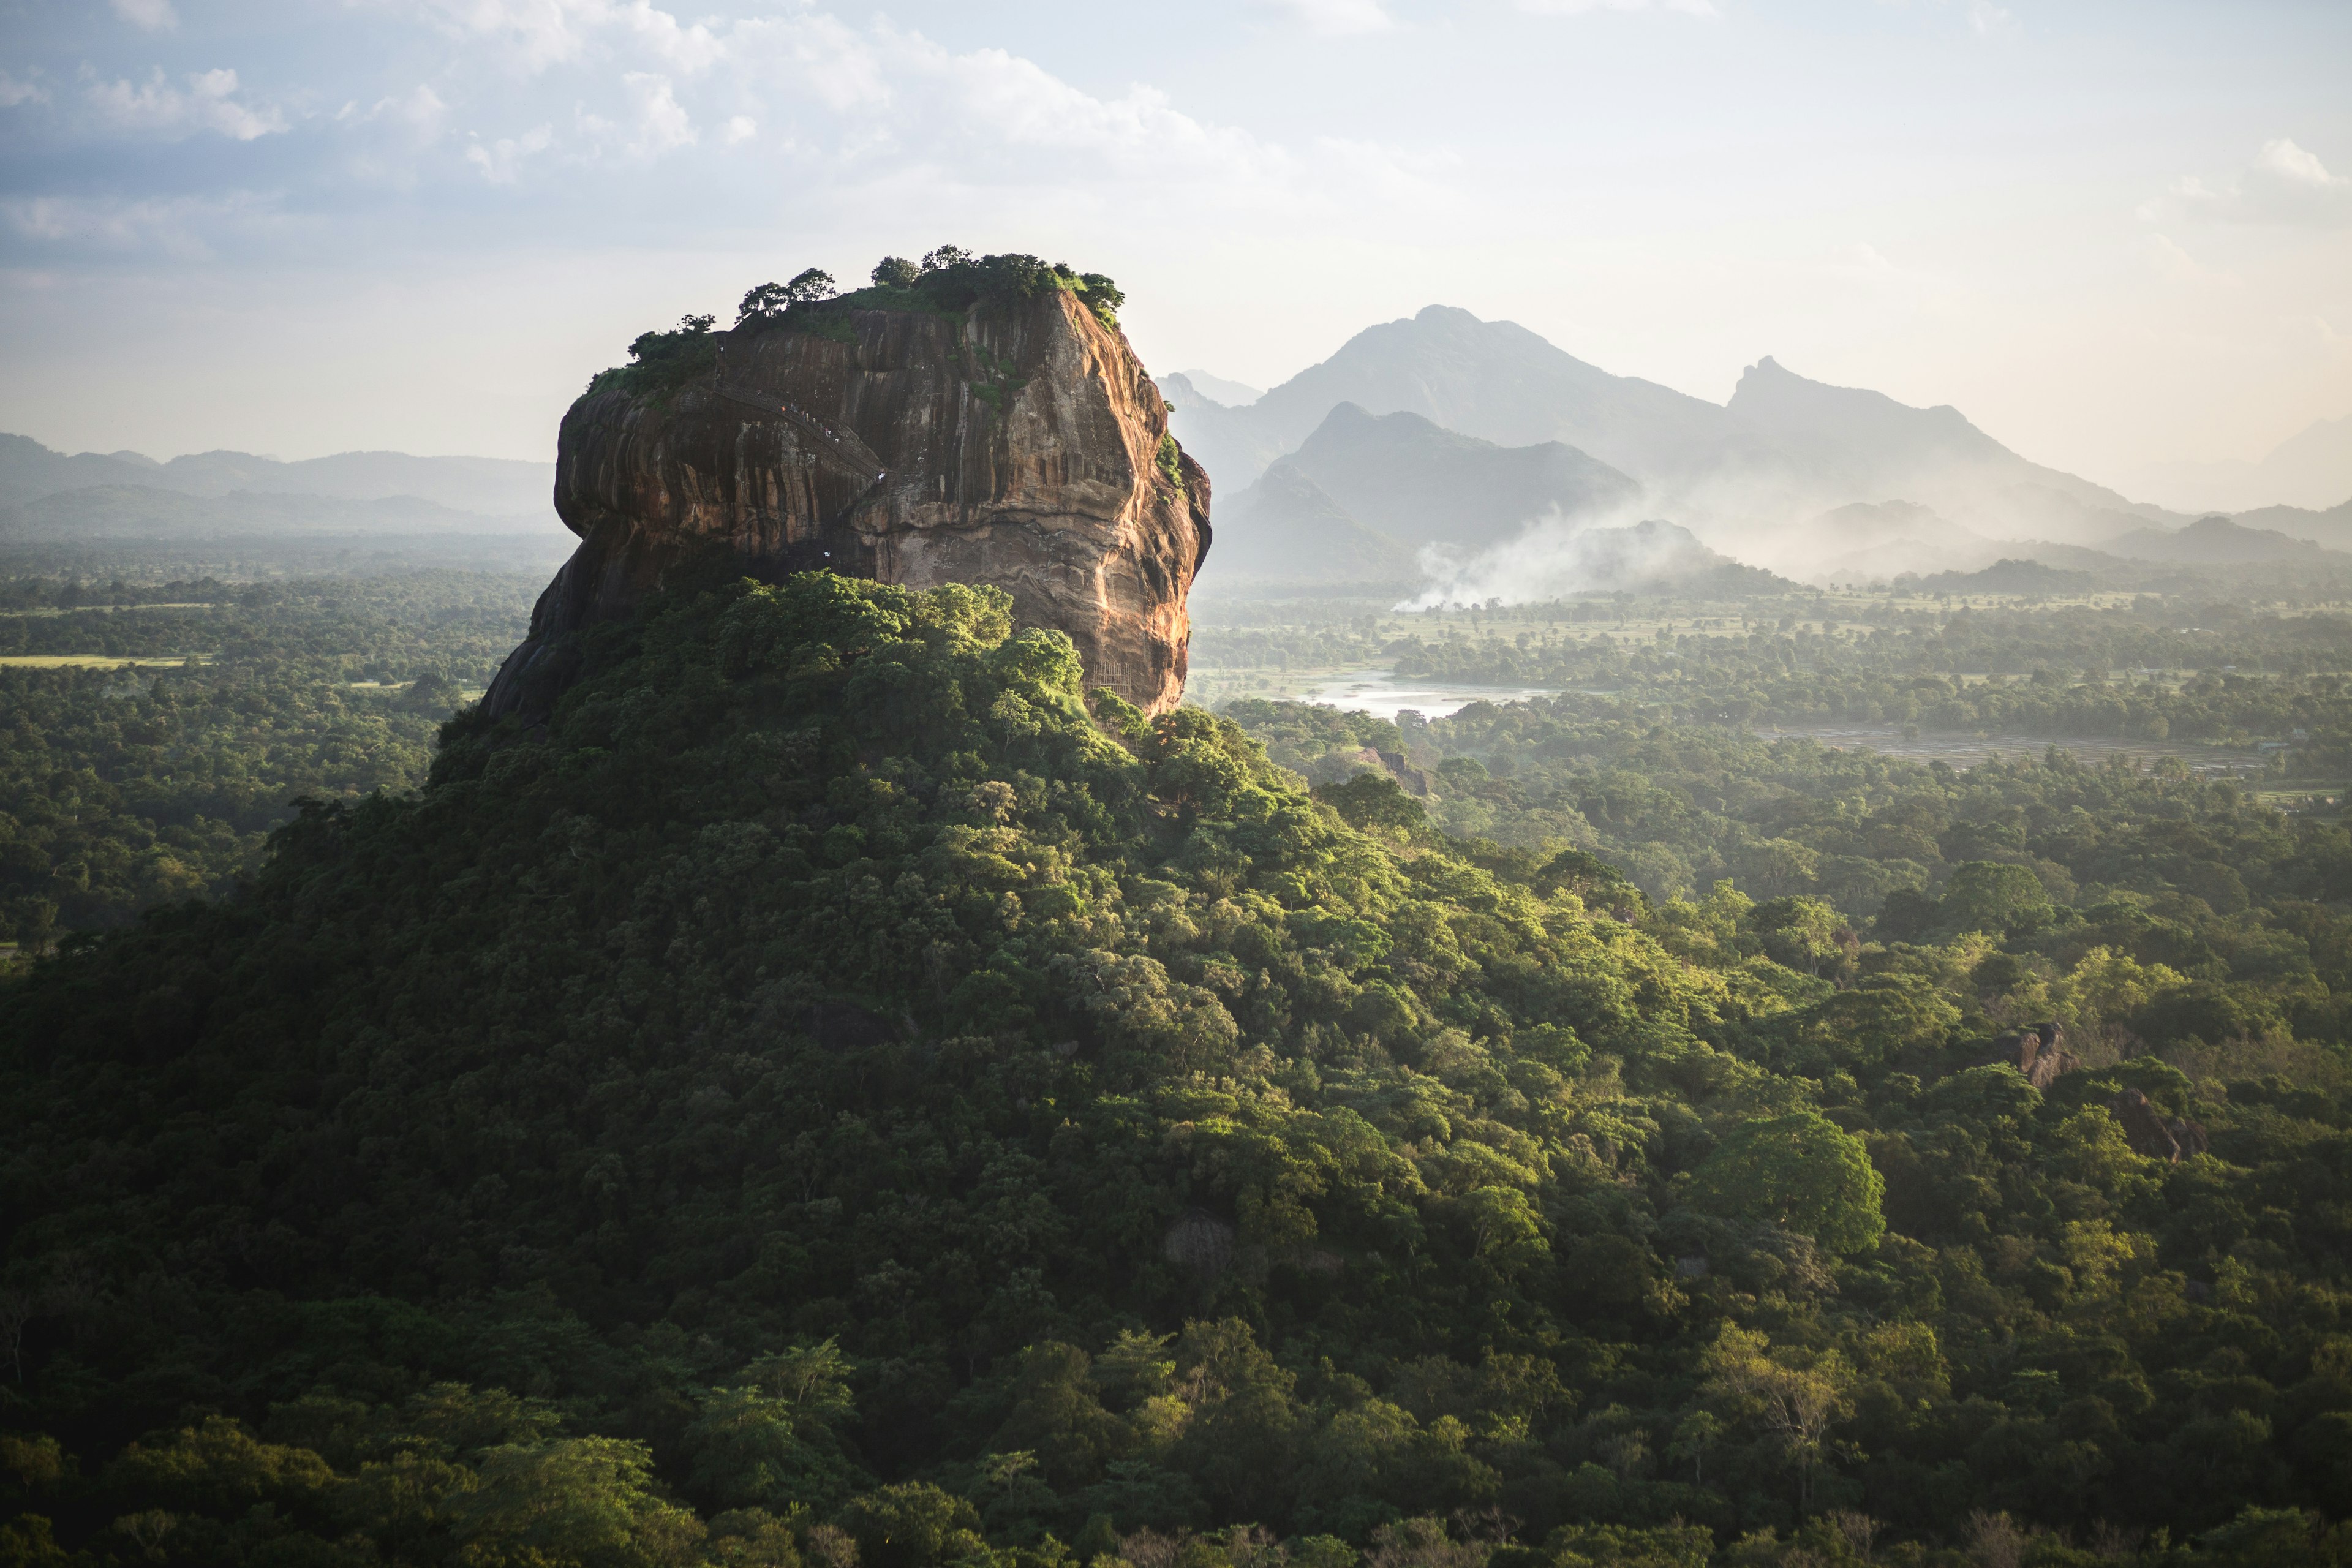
<point>2115,234</point>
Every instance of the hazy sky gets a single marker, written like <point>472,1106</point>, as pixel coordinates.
<point>2111,233</point>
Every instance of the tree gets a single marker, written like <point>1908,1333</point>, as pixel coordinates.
<point>1794,1397</point>
<point>1800,1171</point>
<point>1989,895</point>
<point>810,286</point>
<point>1371,800</point>
<point>1058,1416</point>
<point>589,1500</point>
<point>912,1525</point>
<point>771,301</point>
<point>1884,1018</point>
<point>1806,934</point>
<point>896,272</point>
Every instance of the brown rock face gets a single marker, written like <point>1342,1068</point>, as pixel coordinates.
<point>2153,1134</point>
<point>1019,445</point>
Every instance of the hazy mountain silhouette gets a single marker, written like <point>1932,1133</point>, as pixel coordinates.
<point>1425,485</point>
<point>495,487</point>
<point>146,513</point>
<point>1494,380</point>
<point>2217,540</point>
<point>1785,449</point>
<point>2332,527</point>
<point>2310,468</point>
<point>2011,577</point>
<point>1865,445</point>
<point>1217,388</point>
<point>1285,527</point>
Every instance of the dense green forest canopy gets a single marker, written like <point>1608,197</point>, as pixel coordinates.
<point>124,788</point>
<point>837,1093</point>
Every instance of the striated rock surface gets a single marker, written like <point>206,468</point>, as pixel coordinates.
<point>1014,442</point>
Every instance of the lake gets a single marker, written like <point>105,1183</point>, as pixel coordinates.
<point>1381,694</point>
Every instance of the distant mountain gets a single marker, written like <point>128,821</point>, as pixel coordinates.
<point>1425,485</point>
<point>493,486</point>
<point>2218,542</point>
<point>2332,527</point>
<point>1285,529</point>
<point>1494,380</point>
<point>145,512</point>
<point>1849,441</point>
<point>1365,491</point>
<point>2312,468</point>
<point>2009,576</point>
<point>1785,449</point>
<point>1216,388</point>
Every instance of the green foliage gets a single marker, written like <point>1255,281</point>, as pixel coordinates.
<point>1801,1171</point>
<point>1986,896</point>
<point>773,301</point>
<point>1130,1145</point>
<point>950,281</point>
<point>1372,801</point>
<point>913,1525</point>
<point>663,362</point>
<point>123,789</point>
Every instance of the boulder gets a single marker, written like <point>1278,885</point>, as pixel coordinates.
<point>2149,1132</point>
<point>1017,442</point>
<point>2039,1053</point>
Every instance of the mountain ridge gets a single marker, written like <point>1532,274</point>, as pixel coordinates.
<point>492,486</point>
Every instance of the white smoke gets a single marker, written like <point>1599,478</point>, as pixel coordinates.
<point>1556,557</point>
<point>1809,529</point>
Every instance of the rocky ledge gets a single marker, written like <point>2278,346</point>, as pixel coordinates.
<point>1013,441</point>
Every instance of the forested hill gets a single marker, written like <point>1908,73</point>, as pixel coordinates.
<point>839,1095</point>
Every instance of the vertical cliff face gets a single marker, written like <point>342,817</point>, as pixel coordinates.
<point>1018,443</point>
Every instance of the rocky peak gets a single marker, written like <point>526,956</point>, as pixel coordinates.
<point>1015,441</point>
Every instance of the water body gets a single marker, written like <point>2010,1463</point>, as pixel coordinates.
<point>1381,694</point>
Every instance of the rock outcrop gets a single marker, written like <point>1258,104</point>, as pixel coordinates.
<point>2039,1053</point>
<point>2151,1132</point>
<point>1018,443</point>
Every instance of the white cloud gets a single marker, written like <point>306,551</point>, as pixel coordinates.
<point>2285,161</point>
<point>1581,8</point>
<point>419,112</point>
<point>656,123</point>
<point>152,15</point>
<point>14,92</point>
<point>687,50</point>
<point>1336,18</point>
<point>501,161</point>
<point>538,33</point>
<point>2284,184</point>
<point>661,124</point>
<point>208,104</point>
<point>542,33</point>
<point>742,128</point>
<point>1990,21</point>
